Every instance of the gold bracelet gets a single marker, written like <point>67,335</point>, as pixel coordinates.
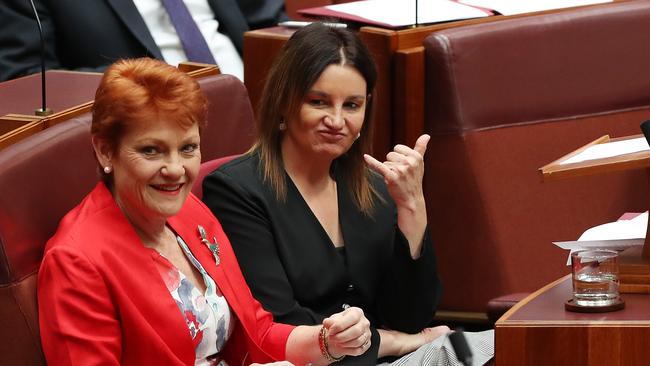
<point>323,344</point>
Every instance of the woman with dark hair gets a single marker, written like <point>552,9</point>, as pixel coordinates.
<point>140,272</point>
<point>314,229</point>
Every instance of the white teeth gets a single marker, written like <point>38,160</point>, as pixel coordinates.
<point>167,188</point>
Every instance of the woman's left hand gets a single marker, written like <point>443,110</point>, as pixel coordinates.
<point>403,171</point>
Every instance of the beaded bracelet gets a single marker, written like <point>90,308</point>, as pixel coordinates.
<point>323,344</point>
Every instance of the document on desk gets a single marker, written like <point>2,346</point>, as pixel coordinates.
<point>512,7</point>
<point>397,13</point>
<point>609,149</point>
<point>617,235</point>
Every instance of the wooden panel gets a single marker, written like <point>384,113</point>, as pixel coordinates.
<point>11,122</point>
<point>382,44</point>
<point>261,47</point>
<point>198,70</point>
<point>408,116</point>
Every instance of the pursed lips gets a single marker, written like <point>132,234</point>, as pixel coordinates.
<point>332,134</point>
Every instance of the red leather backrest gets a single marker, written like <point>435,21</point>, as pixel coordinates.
<point>505,98</point>
<point>230,117</point>
<point>539,68</point>
<point>207,168</point>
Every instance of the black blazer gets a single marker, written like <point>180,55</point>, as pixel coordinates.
<point>91,34</point>
<point>294,270</point>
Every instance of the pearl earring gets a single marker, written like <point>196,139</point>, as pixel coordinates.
<point>282,126</point>
<point>358,135</point>
<point>108,170</point>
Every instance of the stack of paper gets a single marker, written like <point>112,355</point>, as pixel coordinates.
<point>397,13</point>
<point>401,13</point>
<point>512,7</point>
<point>617,235</point>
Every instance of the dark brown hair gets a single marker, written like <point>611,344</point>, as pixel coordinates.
<point>301,62</point>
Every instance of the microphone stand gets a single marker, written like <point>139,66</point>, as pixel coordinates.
<point>43,111</point>
<point>416,15</point>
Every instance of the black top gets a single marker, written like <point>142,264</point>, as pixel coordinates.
<point>295,271</point>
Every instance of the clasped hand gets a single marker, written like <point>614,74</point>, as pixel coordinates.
<point>348,333</point>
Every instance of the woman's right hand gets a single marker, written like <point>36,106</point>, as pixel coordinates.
<point>395,343</point>
<point>348,333</point>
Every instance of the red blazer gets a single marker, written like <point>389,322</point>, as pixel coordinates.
<point>103,302</point>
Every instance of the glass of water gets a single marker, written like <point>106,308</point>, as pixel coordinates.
<point>595,277</point>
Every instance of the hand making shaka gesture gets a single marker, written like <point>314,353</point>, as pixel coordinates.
<point>403,171</point>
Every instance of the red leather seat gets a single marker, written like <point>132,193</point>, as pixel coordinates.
<point>505,98</point>
<point>207,168</point>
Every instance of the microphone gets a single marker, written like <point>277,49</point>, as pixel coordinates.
<point>645,127</point>
<point>43,111</point>
<point>460,346</point>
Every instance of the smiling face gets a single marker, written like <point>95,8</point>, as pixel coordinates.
<point>154,167</point>
<point>330,117</point>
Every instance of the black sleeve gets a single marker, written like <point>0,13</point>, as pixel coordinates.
<point>411,288</point>
<point>263,13</point>
<point>20,45</point>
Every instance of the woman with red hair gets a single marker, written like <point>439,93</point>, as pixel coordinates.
<point>140,272</point>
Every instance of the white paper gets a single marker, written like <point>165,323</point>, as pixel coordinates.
<point>617,235</point>
<point>599,244</point>
<point>609,149</point>
<point>622,229</point>
<point>512,7</point>
<point>399,13</point>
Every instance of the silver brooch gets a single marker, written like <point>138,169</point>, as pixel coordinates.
<point>214,247</point>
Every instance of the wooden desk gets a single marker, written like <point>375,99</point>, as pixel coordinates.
<point>538,331</point>
<point>399,55</point>
<point>69,94</point>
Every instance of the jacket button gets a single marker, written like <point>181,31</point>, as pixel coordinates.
<point>350,288</point>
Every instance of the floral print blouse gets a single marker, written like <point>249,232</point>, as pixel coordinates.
<point>207,315</point>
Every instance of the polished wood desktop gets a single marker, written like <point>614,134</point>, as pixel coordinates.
<point>539,331</point>
<point>69,94</point>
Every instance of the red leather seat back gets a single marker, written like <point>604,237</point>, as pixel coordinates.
<point>207,168</point>
<point>505,98</point>
<point>41,179</point>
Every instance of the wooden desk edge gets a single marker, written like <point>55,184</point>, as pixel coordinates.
<point>505,322</point>
<point>527,299</point>
<point>635,160</point>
